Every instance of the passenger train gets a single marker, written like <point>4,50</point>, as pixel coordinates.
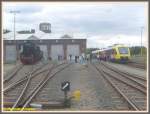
<point>116,53</point>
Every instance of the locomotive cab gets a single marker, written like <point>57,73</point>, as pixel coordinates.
<point>123,54</point>
<point>31,53</point>
<point>116,53</point>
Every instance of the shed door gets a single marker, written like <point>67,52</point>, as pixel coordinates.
<point>11,53</point>
<point>72,50</point>
<point>45,52</point>
<point>57,50</point>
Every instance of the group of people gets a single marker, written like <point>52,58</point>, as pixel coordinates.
<point>77,59</point>
<point>80,59</point>
<point>102,57</point>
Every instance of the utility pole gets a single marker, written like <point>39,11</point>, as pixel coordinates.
<point>141,39</point>
<point>14,13</point>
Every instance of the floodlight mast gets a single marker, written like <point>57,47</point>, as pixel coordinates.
<point>14,13</point>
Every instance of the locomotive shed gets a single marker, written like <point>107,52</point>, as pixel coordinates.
<point>50,47</point>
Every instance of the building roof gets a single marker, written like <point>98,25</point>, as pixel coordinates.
<point>66,36</point>
<point>40,35</point>
<point>10,36</point>
<point>32,37</point>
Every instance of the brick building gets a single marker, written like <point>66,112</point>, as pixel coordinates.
<point>52,48</point>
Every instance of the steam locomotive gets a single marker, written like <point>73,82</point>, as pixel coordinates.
<point>31,53</point>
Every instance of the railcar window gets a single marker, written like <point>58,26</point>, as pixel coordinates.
<point>123,50</point>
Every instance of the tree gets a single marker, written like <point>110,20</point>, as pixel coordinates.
<point>5,31</point>
<point>136,50</point>
<point>89,50</point>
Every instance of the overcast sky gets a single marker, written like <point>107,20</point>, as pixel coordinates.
<point>103,24</point>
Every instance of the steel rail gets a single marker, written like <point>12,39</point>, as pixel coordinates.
<point>132,106</point>
<point>17,103</point>
<point>138,77</point>
<point>24,78</point>
<point>124,75</point>
<point>21,80</point>
<point>21,95</point>
<point>125,82</point>
<point>13,74</point>
<point>137,65</point>
<point>40,86</point>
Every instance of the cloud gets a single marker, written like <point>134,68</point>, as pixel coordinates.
<point>101,21</point>
<point>105,41</point>
<point>23,8</point>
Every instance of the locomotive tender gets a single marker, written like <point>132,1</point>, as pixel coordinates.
<point>31,53</point>
<point>115,53</point>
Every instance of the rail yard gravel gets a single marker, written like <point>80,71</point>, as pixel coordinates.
<point>96,93</point>
<point>136,71</point>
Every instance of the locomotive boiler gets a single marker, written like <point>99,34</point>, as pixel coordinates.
<point>31,53</point>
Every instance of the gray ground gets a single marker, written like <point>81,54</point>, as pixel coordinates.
<point>95,92</point>
<point>8,68</point>
<point>139,59</point>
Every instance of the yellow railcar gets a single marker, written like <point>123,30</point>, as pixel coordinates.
<point>115,53</point>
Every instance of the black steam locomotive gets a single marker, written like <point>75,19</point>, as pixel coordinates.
<point>31,53</point>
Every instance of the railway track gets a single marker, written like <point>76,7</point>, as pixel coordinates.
<point>12,74</point>
<point>141,81</point>
<point>140,78</point>
<point>22,73</point>
<point>11,91</point>
<point>137,65</point>
<point>34,85</point>
<point>132,92</point>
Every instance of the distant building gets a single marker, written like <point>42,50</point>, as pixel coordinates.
<point>5,31</point>
<point>45,27</point>
<point>32,37</point>
<point>52,48</point>
<point>27,31</point>
<point>66,36</point>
